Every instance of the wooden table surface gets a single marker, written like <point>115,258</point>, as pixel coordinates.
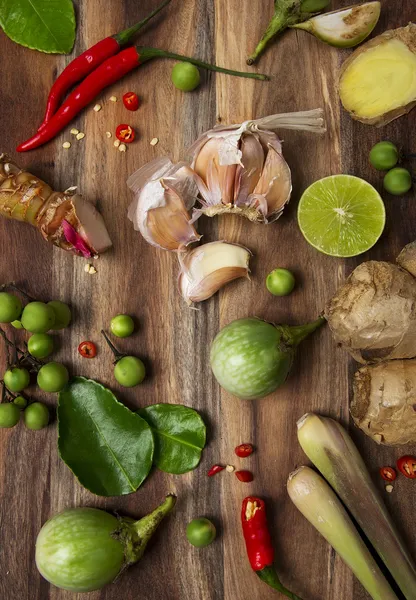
<point>138,279</point>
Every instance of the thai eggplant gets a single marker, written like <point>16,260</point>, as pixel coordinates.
<point>84,549</point>
<point>286,14</point>
<point>344,28</point>
<point>251,358</point>
<point>63,218</point>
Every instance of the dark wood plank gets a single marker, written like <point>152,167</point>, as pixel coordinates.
<point>174,341</point>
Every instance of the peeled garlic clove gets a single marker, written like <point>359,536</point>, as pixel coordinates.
<point>344,28</point>
<point>274,187</point>
<point>206,269</point>
<point>164,193</point>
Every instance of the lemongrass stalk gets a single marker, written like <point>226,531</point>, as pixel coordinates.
<point>318,503</point>
<point>328,445</point>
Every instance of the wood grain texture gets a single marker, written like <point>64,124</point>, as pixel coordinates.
<point>173,340</point>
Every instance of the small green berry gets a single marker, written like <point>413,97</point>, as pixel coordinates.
<point>122,326</point>
<point>9,415</point>
<point>36,416</point>
<point>20,401</point>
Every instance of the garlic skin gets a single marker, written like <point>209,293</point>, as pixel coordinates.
<point>241,169</point>
<point>207,268</point>
<point>164,194</point>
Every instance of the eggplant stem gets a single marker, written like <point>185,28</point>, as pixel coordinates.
<point>299,332</point>
<point>149,53</point>
<point>13,286</point>
<point>278,24</point>
<point>118,355</point>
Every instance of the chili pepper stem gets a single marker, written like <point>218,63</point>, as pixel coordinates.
<point>118,355</point>
<point>149,53</point>
<point>269,576</point>
<point>124,37</point>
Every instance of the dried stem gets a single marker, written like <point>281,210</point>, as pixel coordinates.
<point>13,286</point>
<point>113,349</point>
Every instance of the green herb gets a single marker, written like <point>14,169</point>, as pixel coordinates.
<point>107,447</point>
<point>179,434</point>
<point>45,25</point>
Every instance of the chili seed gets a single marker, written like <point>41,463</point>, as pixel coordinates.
<point>116,143</point>
<point>80,135</point>
<point>154,141</point>
<point>122,147</point>
<point>230,468</point>
<point>97,107</point>
<point>74,131</point>
<point>66,145</point>
<point>108,134</point>
<point>389,488</point>
<point>113,98</point>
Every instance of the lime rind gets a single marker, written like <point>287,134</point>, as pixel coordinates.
<point>341,215</point>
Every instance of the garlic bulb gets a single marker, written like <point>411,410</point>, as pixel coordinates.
<point>240,168</point>
<point>207,268</point>
<point>163,196</point>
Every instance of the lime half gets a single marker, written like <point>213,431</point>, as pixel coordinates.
<point>341,215</point>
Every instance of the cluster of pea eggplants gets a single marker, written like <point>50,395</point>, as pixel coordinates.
<point>38,318</point>
<point>385,156</point>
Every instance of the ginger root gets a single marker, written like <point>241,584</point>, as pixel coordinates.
<point>373,315</point>
<point>378,81</point>
<point>384,404</point>
<point>63,218</point>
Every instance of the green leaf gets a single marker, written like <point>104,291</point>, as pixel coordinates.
<point>107,447</point>
<point>45,25</point>
<point>179,434</point>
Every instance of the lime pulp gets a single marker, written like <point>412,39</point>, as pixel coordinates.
<point>341,215</point>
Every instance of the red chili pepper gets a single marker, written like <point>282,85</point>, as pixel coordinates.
<point>215,469</point>
<point>388,473</point>
<point>259,544</point>
<point>87,349</point>
<point>89,60</point>
<point>110,71</point>
<point>125,133</point>
<point>244,476</point>
<point>407,466</point>
<point>244,450</point>
<point>131,101</point>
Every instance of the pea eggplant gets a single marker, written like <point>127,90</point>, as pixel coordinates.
<point>251,358</point>
<point>84,549</point>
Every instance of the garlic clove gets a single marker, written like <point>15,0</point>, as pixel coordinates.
<point>274,185</point>
<point>217,177</point>
<point>168,226</point>
<point>206,269</point>
<point>248,173</point>
<point>164,193</point>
